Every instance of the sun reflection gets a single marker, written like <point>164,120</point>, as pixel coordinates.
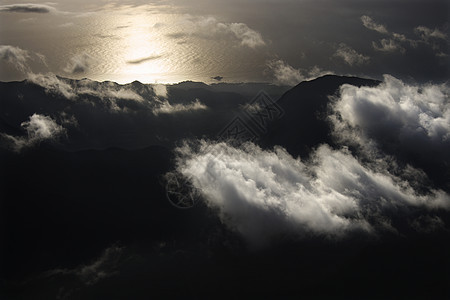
<point>144,51</point>
<point>136,44</point>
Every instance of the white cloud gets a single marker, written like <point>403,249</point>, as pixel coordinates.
<point>53,84</point>
<point>369,23</point>
<point>284,74</point>
<point>402,119</point>
<point>350,56</point>
<point>164,107</point>
<point>267,194</point>
<point>15,56</point>
<point>108,93</point>
<point>160,90</point>
<point>388,45</point>
<point>247,36</point>
<point>210,28</point>
<point>79,64</point>
<point>38,128</point>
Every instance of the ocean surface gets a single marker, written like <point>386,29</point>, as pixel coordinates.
<point>133,43</point>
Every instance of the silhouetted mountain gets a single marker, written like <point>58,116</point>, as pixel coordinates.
<point>304,124</point>
<point>106,114</point>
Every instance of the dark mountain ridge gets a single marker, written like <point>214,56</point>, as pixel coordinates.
<point>304,124</point>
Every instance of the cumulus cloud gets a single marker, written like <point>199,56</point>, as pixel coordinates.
<point>350,56</point>
<point>38,128</point>
<point>265,194</point>
<point>388,45</point>
<point>15,56</point>
<point>79,64</point>
<point>27,8</point>
<point>407,109</point>
<point>369,23</point>
<point>409,121</point>
<point>164,107</point>
<point>284,74</point>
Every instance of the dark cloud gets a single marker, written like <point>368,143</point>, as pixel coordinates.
<point>27,8</point>
<point>217,78</point>
<point>144,59</point>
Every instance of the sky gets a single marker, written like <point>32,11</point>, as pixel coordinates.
<point>169,41</point>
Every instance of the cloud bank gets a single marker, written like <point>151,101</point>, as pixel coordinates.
<point>52,84</point>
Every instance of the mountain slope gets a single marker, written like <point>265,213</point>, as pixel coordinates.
<point>304,124</point>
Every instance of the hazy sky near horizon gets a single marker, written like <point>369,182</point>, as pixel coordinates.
<point>283,41</point>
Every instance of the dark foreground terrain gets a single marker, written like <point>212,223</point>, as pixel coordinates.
<point>86,216</point>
